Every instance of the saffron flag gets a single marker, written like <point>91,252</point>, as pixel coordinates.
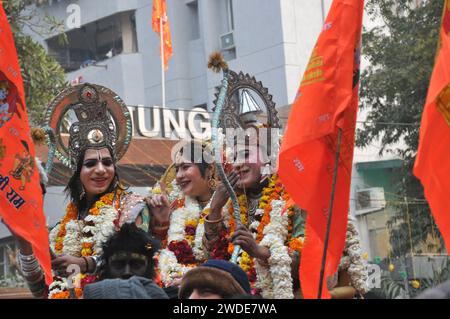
<point>21,200</point>
<point>432,164</point>
<point>327,101</point>
<point>160,17</point>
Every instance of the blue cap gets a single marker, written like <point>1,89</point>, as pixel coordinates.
<point>234,270</point>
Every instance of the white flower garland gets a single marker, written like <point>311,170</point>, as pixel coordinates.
<point>170,269</point>
<point>352,260</point>
<point>53,290</point>
<point>103,228</point>
<point>276,282</point>
<point>72,243</point>
<point>101,231</point>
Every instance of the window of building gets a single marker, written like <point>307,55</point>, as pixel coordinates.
<point>194,19</point>
<point>96,41</point>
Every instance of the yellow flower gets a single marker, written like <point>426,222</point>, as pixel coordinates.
<point>391,267</point>
<point>365,255</point>
<point>99,204</point>
<point>191,222</point>
<point>246,262</point>
<point>415,284</point>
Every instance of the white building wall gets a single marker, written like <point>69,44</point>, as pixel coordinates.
<point>273,41</point>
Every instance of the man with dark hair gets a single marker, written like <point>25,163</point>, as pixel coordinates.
<point>127,267</point>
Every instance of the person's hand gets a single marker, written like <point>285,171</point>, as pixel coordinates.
<point>159,207</point>
<point>61,263</point>
<point>244,238</point>
<point>175,282</point>
<point>221,196</point>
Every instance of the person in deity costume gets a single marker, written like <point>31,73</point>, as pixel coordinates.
<point>99,203</point>
<point>271,233</point>
<point>180,201</point>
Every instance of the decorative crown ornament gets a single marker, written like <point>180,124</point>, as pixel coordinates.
<point>94,128</point>
<point>102,120</point>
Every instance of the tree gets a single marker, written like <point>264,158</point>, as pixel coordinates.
<point>43,77</point>
<point>394,87</point>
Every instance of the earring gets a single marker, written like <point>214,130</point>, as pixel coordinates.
<point>212,183</point>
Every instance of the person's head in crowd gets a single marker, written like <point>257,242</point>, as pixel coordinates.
<point>249,162</point>
<point>95,175</point>
<point>129,252</point>
<point>215,279</point>
<point>194,169</point>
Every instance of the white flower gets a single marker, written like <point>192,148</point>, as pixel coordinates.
<point>254,226</point>
<point>276,282</point>
<point>170,269</point>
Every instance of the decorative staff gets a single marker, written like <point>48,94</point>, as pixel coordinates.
<point>216,63</point>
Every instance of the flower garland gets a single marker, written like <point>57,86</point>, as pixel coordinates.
<point>275,235</point>
<point>352,260</point>
<point>185,249</point>
<point>73,238</point>
<point>272,228</point>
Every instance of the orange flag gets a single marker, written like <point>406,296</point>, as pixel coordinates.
<point>20,191</point>
<point>327,100</point>
<point>432,164</point>
<point>160,14</point>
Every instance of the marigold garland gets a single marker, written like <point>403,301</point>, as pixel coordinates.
<point>224,248</point>
<point>87,247</point>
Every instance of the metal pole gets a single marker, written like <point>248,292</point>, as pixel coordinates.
<point>330,212</point>
<point>162,62</point>
<point>323,11</point>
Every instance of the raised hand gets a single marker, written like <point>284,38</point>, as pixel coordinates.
<point>61,263</point>
<point>159,207</point>
<point>221,196</point>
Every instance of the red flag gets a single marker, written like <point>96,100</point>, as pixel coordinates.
<point>327,100</point>
<point>432,164</point>
<point>20,191</point>
<point>160,14</point>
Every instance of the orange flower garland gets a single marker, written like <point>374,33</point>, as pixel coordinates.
<point>274,191</point>
<point>72,214</point>
<point>86,247</point>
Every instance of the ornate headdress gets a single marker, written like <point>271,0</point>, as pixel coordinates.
<point>239,101</point>
<point>94,128</point>
<point>100,119</point>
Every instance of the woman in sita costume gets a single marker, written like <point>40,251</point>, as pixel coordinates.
<point>99,204</point>
<point>260,231</point>
<point>179,203</point>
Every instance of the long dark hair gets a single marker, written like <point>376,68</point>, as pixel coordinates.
<point>74,188</point>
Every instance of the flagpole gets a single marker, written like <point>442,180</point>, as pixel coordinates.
<point>330,212</point>
<point>163,85</point>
